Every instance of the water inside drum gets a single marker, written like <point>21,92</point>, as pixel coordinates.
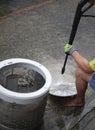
<point>21,79</point>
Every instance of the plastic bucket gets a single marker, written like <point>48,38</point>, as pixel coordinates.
<point>24,86</point>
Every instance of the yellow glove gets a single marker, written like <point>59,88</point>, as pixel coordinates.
<point>92,64</point>
<point>69,49</point>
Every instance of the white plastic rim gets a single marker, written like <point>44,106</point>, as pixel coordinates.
<point>24,98</point>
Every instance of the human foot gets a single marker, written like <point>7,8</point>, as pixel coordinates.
<point>73,103</point>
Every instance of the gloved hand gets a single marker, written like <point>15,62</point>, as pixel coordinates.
<point>69,49</point>
<point>92,64</point>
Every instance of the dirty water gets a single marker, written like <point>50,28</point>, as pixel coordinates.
<point>63,89</point>
<point>21,78</point>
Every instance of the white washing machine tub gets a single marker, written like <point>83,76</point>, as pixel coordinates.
<point>24,86</point>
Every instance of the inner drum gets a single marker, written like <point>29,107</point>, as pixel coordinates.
<point>21,77</point>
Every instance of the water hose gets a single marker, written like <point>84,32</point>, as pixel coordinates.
<point>78,14</point>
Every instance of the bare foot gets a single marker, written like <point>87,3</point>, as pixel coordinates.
<point>73,103</point>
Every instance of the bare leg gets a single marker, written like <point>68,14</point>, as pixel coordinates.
<point>82,79</point>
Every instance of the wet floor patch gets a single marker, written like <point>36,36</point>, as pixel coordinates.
<point>68,118</point>
<point>86,121</point>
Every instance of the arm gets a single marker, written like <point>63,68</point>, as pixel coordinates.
<point>82,62</point>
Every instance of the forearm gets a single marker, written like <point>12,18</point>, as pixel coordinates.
<point>82,62</point>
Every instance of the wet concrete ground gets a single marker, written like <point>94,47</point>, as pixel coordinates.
<point>38,30</point>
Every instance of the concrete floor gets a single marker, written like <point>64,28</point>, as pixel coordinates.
<point>38,30</point>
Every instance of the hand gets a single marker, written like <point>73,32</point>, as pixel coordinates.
<point>69,49</point>
<point>92,64</point>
